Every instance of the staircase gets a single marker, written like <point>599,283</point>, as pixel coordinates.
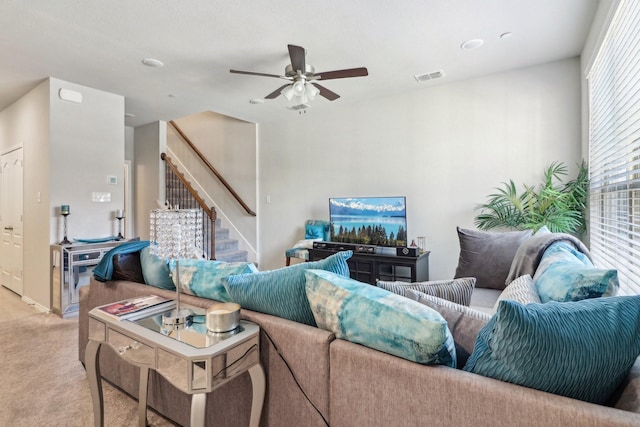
<point>227,248</point>
<point>178,194</point>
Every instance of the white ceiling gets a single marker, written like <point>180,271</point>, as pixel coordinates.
<point>101,43</point>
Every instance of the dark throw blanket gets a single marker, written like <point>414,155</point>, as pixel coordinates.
<point>104,269</point>
<point>530,253</point>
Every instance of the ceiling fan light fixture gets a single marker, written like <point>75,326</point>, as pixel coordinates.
<point>288,92</point>
<point>298,88</point>
<point>311,91</point>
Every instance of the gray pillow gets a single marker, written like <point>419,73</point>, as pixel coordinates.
<point>463,322</point>
<point>455,290</point>
<point>487,255</point>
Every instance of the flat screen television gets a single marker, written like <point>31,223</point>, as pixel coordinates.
<point>380,221</point>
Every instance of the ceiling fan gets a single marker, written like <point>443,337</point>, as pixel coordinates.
<point>302,77</point>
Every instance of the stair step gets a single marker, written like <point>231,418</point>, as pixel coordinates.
<point>226,245</point>
<point>232,256</point>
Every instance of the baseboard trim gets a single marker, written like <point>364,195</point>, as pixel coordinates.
<point>36,305</point>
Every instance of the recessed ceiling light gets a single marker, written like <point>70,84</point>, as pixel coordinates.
<point>151,62</point>
<point>472,44</point>
<point>256,101</point>
<point>129,115</point>
<point>506,35</point>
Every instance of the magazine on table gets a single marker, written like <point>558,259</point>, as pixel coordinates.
<point>138,307</point>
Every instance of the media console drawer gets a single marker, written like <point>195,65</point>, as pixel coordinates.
<point>369,268</point>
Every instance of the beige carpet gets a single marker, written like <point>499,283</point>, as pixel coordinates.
<point>42,383</point>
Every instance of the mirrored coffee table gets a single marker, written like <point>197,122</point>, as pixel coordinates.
<point>191,358</point>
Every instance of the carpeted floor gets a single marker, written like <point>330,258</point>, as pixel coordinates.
<point>42,383</point>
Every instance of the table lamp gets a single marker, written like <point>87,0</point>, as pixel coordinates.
<point>175,234</point>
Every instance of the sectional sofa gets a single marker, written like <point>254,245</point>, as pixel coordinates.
<point>316,379</point>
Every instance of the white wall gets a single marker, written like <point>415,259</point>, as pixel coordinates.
<point>230,146</point>
<point>86,147</point>
<point>69,150</point>
<point>150,141</point>
<point>26,122</point>
<point>444,147</point>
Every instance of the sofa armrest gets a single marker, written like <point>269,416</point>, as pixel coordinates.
<point>371,388</point>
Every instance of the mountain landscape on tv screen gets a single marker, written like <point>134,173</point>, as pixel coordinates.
<point>377,221</point>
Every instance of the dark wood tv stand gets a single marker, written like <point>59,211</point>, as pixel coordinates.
<point>370,268</point>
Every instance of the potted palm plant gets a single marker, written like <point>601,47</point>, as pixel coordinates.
<point>557,205</point>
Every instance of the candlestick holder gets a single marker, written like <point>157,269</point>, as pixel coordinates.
<point>119,236</point>
<point>65,240</point>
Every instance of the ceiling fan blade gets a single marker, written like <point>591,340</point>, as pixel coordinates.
<point>341,74</point>
<point>251,73</point>
<point>331,96</point>
<point>297,55</point>
<point>275,93</point>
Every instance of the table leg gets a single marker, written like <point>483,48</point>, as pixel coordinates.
<point>198,409</point>
<point>259,386</point>
<point>92,360</point>
<point>142,396</point>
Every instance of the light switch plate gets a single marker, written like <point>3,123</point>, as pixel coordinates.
<point>100,197</point>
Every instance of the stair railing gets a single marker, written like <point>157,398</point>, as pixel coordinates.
<point>180,193</point>
<point>213,170</point>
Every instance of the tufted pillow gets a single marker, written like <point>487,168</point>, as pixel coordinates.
<point>203,278</point>
<point>456,290</point>
<point>521,290</point>
<point>281,292</point>
<point>379,319</point>
<point>566,274</point>
<point>463,322</point>
<point>155,270</point>
<point>487,256</point>
<point>582,349</point>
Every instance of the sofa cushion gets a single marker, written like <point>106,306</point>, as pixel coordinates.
<point>203,278</point>
<point>521,290</point>
<point>455,290</point>
<point>463,322</point>
<point>580,349</point>
<point>281,292</point>
<point>379,319</point>
<point>155,270</point>
<point>566,274</point>
<point>127,267</point>
<point>487,256</point>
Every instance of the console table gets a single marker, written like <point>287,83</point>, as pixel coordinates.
<point>192,359</point>
<point>370,268</point>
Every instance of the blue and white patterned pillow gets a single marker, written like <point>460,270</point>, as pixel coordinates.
<point>582,349</point>
<point>379,319</point>
<point>566,274</point>
<point>281,292</point>
<point>203,278</point>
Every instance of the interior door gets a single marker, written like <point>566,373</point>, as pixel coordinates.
<point>11,221</point>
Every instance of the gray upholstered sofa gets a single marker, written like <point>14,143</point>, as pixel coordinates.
<point>314,379</point>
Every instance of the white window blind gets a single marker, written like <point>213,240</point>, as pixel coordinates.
<point>614,149</point>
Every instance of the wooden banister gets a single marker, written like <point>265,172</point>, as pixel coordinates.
<point>210,212</point>
<point>211,168</point>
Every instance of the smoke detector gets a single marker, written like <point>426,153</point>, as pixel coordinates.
<point>429,76</point>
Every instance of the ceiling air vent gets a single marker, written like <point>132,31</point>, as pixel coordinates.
<point>298,107</point>
<point>429,76</point>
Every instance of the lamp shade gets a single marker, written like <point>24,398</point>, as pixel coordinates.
<point>176,233</point>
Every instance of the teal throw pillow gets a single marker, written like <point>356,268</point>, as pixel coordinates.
<point>203,278</point>
<point>281,292</point>
<point>566,274</point>
<point>379,319</point>
<point>582,349</point>
<point>155,270</point>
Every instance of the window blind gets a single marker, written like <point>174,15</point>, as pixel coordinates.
<point>614,149</point>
